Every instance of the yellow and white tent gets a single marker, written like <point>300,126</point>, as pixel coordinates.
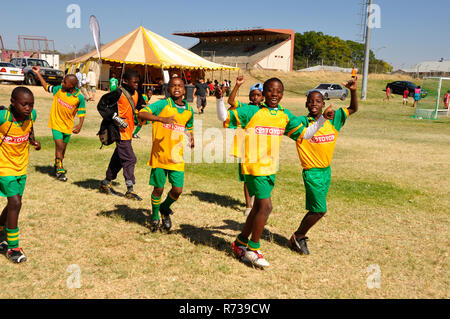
<point>145,47</point>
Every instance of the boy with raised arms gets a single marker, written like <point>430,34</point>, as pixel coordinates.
<point>68,102</point>
<point>315,156</point>
<point>16,134</point>
<point>171,118</point>
<point>264,126</point>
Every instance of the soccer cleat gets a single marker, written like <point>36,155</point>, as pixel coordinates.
<point>238,250</point>
<point>105,188</point>
<point>255,258</point>
<point>61,177</point>
<point>16,255</point>
<point>3,242</point>
<point>155,225</point>
<point>166,221</point>
<point>299,245</point>
<point>132,195</point>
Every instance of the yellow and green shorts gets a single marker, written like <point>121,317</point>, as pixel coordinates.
<point>12,185</point>
<point>260,186</point>
<point>57,135</point>
<point>317,182</point>
<point>158,177</point>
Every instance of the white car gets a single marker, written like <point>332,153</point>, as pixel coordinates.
<point>11,73</point>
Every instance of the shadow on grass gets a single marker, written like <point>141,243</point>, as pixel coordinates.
<point>136,215</point>
<point>91,183</point>
<point>207,236</point>
<point>221,200</point>
<point>48,170</point>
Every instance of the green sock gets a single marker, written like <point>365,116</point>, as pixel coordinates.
<point>12,236</point>
<point>241,240</point>
<point>137,129</point>
<point>253,246</point>
<point>169,201</point>
<point>156,201</point>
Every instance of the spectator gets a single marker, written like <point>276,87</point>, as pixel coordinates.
<point>91,83</point>
<point>200,90</point>
<point>405,96</point>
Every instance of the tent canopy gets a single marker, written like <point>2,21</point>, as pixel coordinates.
<point>142,46</point>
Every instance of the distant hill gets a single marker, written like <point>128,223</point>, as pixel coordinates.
<point>315,48</point>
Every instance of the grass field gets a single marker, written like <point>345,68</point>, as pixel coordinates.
<point>388,206</point>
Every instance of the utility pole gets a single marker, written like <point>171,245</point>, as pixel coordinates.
<point>366,54</point>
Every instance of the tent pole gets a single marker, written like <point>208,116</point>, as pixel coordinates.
<point>123,70</point>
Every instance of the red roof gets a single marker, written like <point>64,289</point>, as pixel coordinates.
<point>225,33</point>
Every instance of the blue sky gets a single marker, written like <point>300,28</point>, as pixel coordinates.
<point>411,31</point>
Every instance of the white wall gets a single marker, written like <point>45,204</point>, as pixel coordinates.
<point>280,59</point>
<point>52,59</point>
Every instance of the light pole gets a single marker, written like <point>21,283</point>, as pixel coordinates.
<point>74,50</point>
<point>366,55</point>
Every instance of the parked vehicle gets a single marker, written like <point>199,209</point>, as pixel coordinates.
<point>331,91</point>
<point>50,75</point>
<point>10,73</point>
<point>398,87</point>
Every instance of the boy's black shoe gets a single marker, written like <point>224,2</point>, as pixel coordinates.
<point>61,177</point>
<point>132,195</point>
<point>105,188</point>
<point>299,245</point>
<point>16,255</point>
<point>155,225</point>
<point>166,221</point>
<point>3,241</point>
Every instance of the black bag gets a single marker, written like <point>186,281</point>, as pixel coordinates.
<point>107,106</point>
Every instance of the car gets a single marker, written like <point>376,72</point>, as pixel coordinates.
<point>398,87</point>
<point>10,73</point>
<point>49,74</point>
<point>331,91</point>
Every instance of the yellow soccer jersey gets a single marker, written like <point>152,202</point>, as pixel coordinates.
<point>318,151</point>
<point>14,150</point>
<point>263,128</point>
<point>64,108</point>
<point>168,140</point>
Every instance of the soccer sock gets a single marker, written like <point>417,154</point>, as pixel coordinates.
<point>156,201</point>
<point>59,165</point>
<point>12,236</point>
<point>253,246</point>
<point>169,201</point>
<point>241,241</point>
<point>137,129</point>
<point>129,184</point>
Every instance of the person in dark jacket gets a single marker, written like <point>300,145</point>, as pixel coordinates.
<point>117,109</point>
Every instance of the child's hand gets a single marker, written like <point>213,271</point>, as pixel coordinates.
<point>36,69</point>
<point>351,85</point>
<point>219,92</point>
<point>329,112</point>
<point>76,129</point>
<point>36,144</point>
<point>240,80</point>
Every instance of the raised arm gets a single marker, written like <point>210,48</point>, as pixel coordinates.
<point>232,98</point>
<point>351,85</point>
<point>220,105</point>
<point>37,71</point>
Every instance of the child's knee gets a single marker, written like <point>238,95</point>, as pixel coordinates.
<point>176,191</point>
<point>15,203</point>
<point>158,191</point>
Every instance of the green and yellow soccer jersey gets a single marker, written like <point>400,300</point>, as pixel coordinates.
<point>168,139</point>
<point>14,149</point>
<point>64,108</point>
<point>263,128</point>
<point>238,139</point>
<point>318,151</point>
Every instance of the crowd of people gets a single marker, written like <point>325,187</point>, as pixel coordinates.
<point>124,108</point>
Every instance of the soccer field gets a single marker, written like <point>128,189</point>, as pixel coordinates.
<point>388,209</point>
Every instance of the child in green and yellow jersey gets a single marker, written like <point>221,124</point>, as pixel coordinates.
<point>264,126</point>
<point>171,118</point>
<point>68,102</point>
<point>16,134</point>
<point>315,156</point>
<point>255,97</point>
